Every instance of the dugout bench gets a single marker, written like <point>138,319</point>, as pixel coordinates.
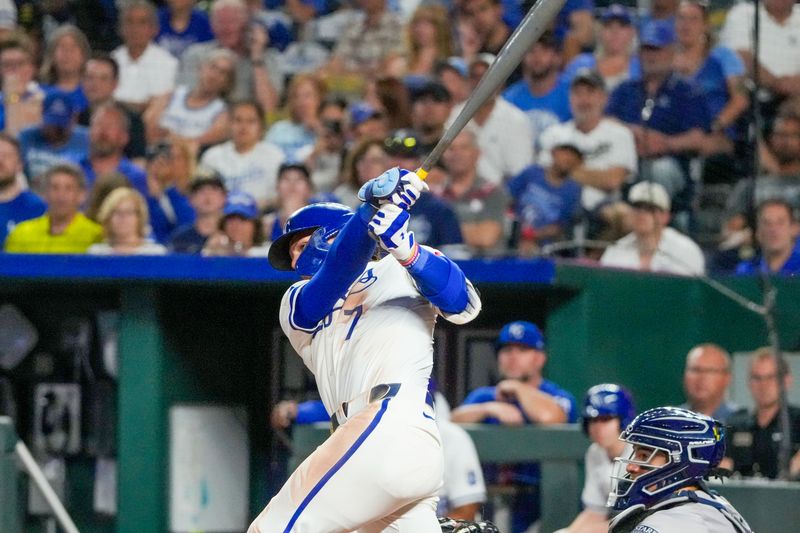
<point>768,506</point>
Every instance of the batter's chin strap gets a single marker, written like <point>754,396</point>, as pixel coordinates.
<point>452,525</point>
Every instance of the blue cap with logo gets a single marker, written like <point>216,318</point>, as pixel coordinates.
<point>241,204</point>
<point>523,333</point>
<point>57,109</point>
<point>617,12</point>
<point>657,34</point>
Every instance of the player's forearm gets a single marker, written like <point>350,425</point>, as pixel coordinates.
<point>540,407</point>
<point>440,280</point>
<point>469,414</point>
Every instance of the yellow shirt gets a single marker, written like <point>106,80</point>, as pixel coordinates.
<point>33,237</point>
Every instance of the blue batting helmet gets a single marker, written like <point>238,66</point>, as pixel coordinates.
<point>322,221</point>
<point>694,445</point>
<point>608,399</point>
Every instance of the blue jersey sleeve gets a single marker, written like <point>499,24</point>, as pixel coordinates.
<point>480,395</point>
<point>440,280</point>
<point>730,62</point>
<point>344,262</point>
<point>311,412</point>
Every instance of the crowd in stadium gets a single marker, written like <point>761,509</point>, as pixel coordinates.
<point>624,137</point>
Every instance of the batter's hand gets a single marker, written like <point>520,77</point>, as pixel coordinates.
<point>390,227</point>
<point>397,186</point>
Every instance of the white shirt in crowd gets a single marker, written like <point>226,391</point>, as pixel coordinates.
<point>780,43</point>
<point>147,248</point>
<point>153,74</point>
<point>186,121</point>
<point>676,254</point>
<point>254,172</point>
<point>608,145</point>
<point>505,140</point>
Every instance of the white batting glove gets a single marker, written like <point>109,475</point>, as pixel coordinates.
<point>390,227</point>
<point>408,190</point>
<point>397,186</point>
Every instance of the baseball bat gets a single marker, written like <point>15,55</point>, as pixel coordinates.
<point>527,33</point>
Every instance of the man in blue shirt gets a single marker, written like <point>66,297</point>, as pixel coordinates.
<point>523,396</point>
<point>16,205</point>
<point>669,116</point>
<point>543,93</point>
<point>776,232</point>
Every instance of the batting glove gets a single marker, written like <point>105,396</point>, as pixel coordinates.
<point>397,186</point>
<point>390,227</point>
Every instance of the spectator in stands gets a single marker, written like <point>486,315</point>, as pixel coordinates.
<point>366,122</point>
<point>479,204</point>
<point>607,410</point>
<point>56,140</point>
<point>430,107</point>
<point>430,40</point>
<point>63,229</point>
<point>169,166</point>
<point>716,70</point>
<point>197,114</point>
<point>780,177</point>
<point>574,27</point>
<point>247,162</point>
<point>126,224</point>
<point>779,43</point>
<point>653,245</point>
<point>390,96</point>
<point>16,204</point>
<point>100,80</point>
<point>258,72</point>
<point>326,160</point>
<point>452,73</point>
<point>546,200</point>
<point>432,220</point>
<point>207,195</point>
<point>145,69</point>
<point>754,437</point>
<point>777,230</point>
<point>660,10</point>
<point>486,17</point>
<point>108,136</point>
<point>542,92</point>
<point>504,133</point>
<point>64,62</point>
<point>240,232</point>
<point>21,102</point>
<point>523,396</point>
<point>371,47</point>
<point>365,161</point>
<point>614,58</point>
<point>181,25</point>
<point>297,134</point>
<point>706,378</point>
<point>609,151</point>
<point>668,116</point>
<point>295,190</point>
<point>8,18</point>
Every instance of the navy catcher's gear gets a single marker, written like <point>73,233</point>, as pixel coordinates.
<point>322,221</point>
<point>693,443</point>
<point>608,399</point>
<point>452,525</point>
<point>398,186</point>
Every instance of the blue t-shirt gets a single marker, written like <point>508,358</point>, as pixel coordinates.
<point>564,399</point>
<point>434,222</point>
<point>543,111</point>
<point>791,268</point>
<point>164,221</point>
<point>76,96</point>
<point>291,138</point>
<point>186,240</point>
<point>678,107</point>
<point>137,178</point>
<point>25,206</point>
<point>39,155</point>
<point>562,24</point>
<point>712,79</point>
<point>176,42</point>
<point>538,203</point>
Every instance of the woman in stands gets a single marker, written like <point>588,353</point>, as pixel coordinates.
<point>363,163</point>
<point>63,64</point>
<point>126,225</point>
<point>297,134</point>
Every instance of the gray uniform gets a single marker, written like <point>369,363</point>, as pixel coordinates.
<point>683,512</point>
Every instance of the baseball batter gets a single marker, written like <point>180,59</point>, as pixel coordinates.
<point>364,327</point>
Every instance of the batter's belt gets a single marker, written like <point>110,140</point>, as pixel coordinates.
<point>375,394</point>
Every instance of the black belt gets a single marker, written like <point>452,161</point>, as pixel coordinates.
<point>376,393</point>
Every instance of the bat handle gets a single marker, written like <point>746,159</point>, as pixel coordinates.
<point>422,173</point>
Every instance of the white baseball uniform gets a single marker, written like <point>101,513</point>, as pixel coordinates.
<point>598,479</point>
<point>463,476</point>
<point>382,468</point>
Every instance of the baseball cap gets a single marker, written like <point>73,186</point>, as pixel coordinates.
<point>431,89</point>
<point>361,112</point>
<point>206,177</point>
<point>57,109</point>
<point>403,143</point>
<point>564,138</point>
<point>240,204</point>
<point>455,63</point>
<point>523,333</point>
<point>590,77</point>
<point>657,34</point>
<point>650,193</point>
<point>485,58</point>
<point>616,12</point>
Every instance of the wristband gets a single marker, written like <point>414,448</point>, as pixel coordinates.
<point>412,260</point>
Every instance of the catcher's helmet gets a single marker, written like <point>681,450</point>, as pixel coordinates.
<point>322,221</point>
<point>608,399</point>
<point>694,444</point>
